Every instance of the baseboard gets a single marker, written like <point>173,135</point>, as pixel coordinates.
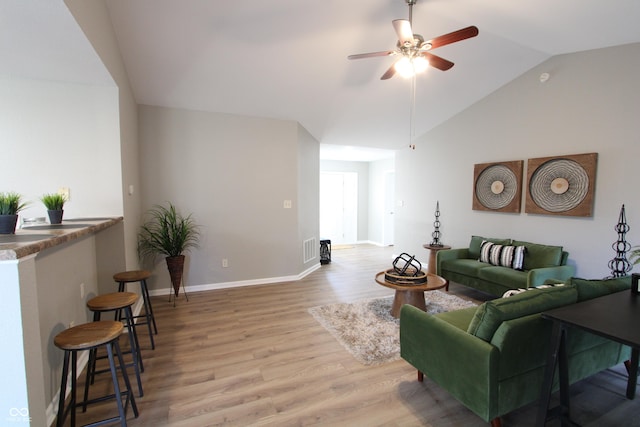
<point>238,284</point>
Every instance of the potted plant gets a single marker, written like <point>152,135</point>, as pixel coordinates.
<point>54,202</point>
<point>10,204</point>
<point>168,233</point>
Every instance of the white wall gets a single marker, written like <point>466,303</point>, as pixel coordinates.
<point>377,198</point>
<point>362,169</point>
<point>371,209</point>
<point>61,134</point>
<point>234,174</point>
<point>591,103</point>
<point>93,18</point>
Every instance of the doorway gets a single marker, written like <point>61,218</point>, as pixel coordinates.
<point>339,207</point>
<point>388,230</point>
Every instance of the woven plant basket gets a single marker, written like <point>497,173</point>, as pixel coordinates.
<point>175,264</point>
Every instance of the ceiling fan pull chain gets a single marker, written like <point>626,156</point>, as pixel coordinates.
<point>412,110</point>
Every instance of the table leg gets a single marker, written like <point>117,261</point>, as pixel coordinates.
<point>547,383</point>
<point>402,297</point>
<point>563,377</point>
<point>431,267</point>
<point>633,374</point>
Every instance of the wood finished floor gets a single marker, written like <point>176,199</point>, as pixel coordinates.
<point>253,356</point>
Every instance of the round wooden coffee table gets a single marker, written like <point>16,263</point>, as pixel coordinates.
<point>411,294</point>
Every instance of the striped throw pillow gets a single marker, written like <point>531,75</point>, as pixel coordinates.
<point>502,255</point>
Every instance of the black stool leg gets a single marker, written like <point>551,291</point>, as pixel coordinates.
<point>145,290</point>
<point>148,309</point>
<point>127,383</point>
<point>135,348</point>
<point>63,390</point>
<point>91,368</point>
<point>116,385</point>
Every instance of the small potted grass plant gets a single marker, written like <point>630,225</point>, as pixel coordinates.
<point>10,204</point>
<point>54,203</point>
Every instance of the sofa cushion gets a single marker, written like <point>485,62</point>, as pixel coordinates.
<point>476,241</point>
<point>540,256</point>
<point>458,318</point>
<point>588,289</point>
<point>490,315</point>
<point>503,255</point>
<point>504,276</point>
<point>468,267</point>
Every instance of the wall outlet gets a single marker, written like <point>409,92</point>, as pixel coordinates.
<point>81,291</point>
<point>225,263</point>
<point>72,324</point>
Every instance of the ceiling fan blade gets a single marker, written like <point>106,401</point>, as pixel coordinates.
<point>372,54</point>
<point>403,30</point>
<point>437,62</point>
<point>389,73</point>
<point>456,36</point>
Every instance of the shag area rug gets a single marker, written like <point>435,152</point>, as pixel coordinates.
<point>368,331</point>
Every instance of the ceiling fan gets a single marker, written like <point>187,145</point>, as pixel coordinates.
<point>413,51</point>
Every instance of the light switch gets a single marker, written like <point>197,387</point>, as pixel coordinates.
<point>64,192</point>
<point>287,204</point>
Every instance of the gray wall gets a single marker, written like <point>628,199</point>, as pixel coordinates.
<point>591,103</point>
<point>233,174</point>
<point>308,193</point>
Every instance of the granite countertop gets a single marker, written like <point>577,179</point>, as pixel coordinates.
<point>33,239</point>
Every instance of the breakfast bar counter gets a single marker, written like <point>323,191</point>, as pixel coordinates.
<point>33,239</point>
<point>47,274</point>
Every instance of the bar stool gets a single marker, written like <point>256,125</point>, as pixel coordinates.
<point>141,276</point>
<point>117,302</point>
<point>88,336</point>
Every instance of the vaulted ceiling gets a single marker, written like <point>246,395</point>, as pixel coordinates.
<point>287,59</point>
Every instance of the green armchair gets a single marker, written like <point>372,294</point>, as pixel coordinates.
<point>492,358</point>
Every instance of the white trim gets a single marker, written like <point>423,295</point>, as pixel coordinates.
<point>238,284</point>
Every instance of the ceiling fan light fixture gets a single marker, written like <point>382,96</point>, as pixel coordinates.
<point>409,67</point>
<point>404,67</point>
<point>420,64</point>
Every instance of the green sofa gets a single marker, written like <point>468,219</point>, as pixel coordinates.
<point>541,262</point>
<point>491,358</point>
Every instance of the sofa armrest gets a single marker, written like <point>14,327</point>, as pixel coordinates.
<point>448,254</point>
<point>537,276</point>
<point>464,365</point>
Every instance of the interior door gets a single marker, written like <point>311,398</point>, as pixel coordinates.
<point>339,206</point>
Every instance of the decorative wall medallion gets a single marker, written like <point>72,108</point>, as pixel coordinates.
<point>497,186</point>
<point>561,185</point>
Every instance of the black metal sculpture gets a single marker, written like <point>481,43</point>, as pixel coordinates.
<point>620,265</point>
<point>436,225</point>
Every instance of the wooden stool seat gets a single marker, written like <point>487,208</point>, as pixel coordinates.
<point>88,335</point>
<point>140,276</point>
<point>112,301</point>
<point>132,276</point>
